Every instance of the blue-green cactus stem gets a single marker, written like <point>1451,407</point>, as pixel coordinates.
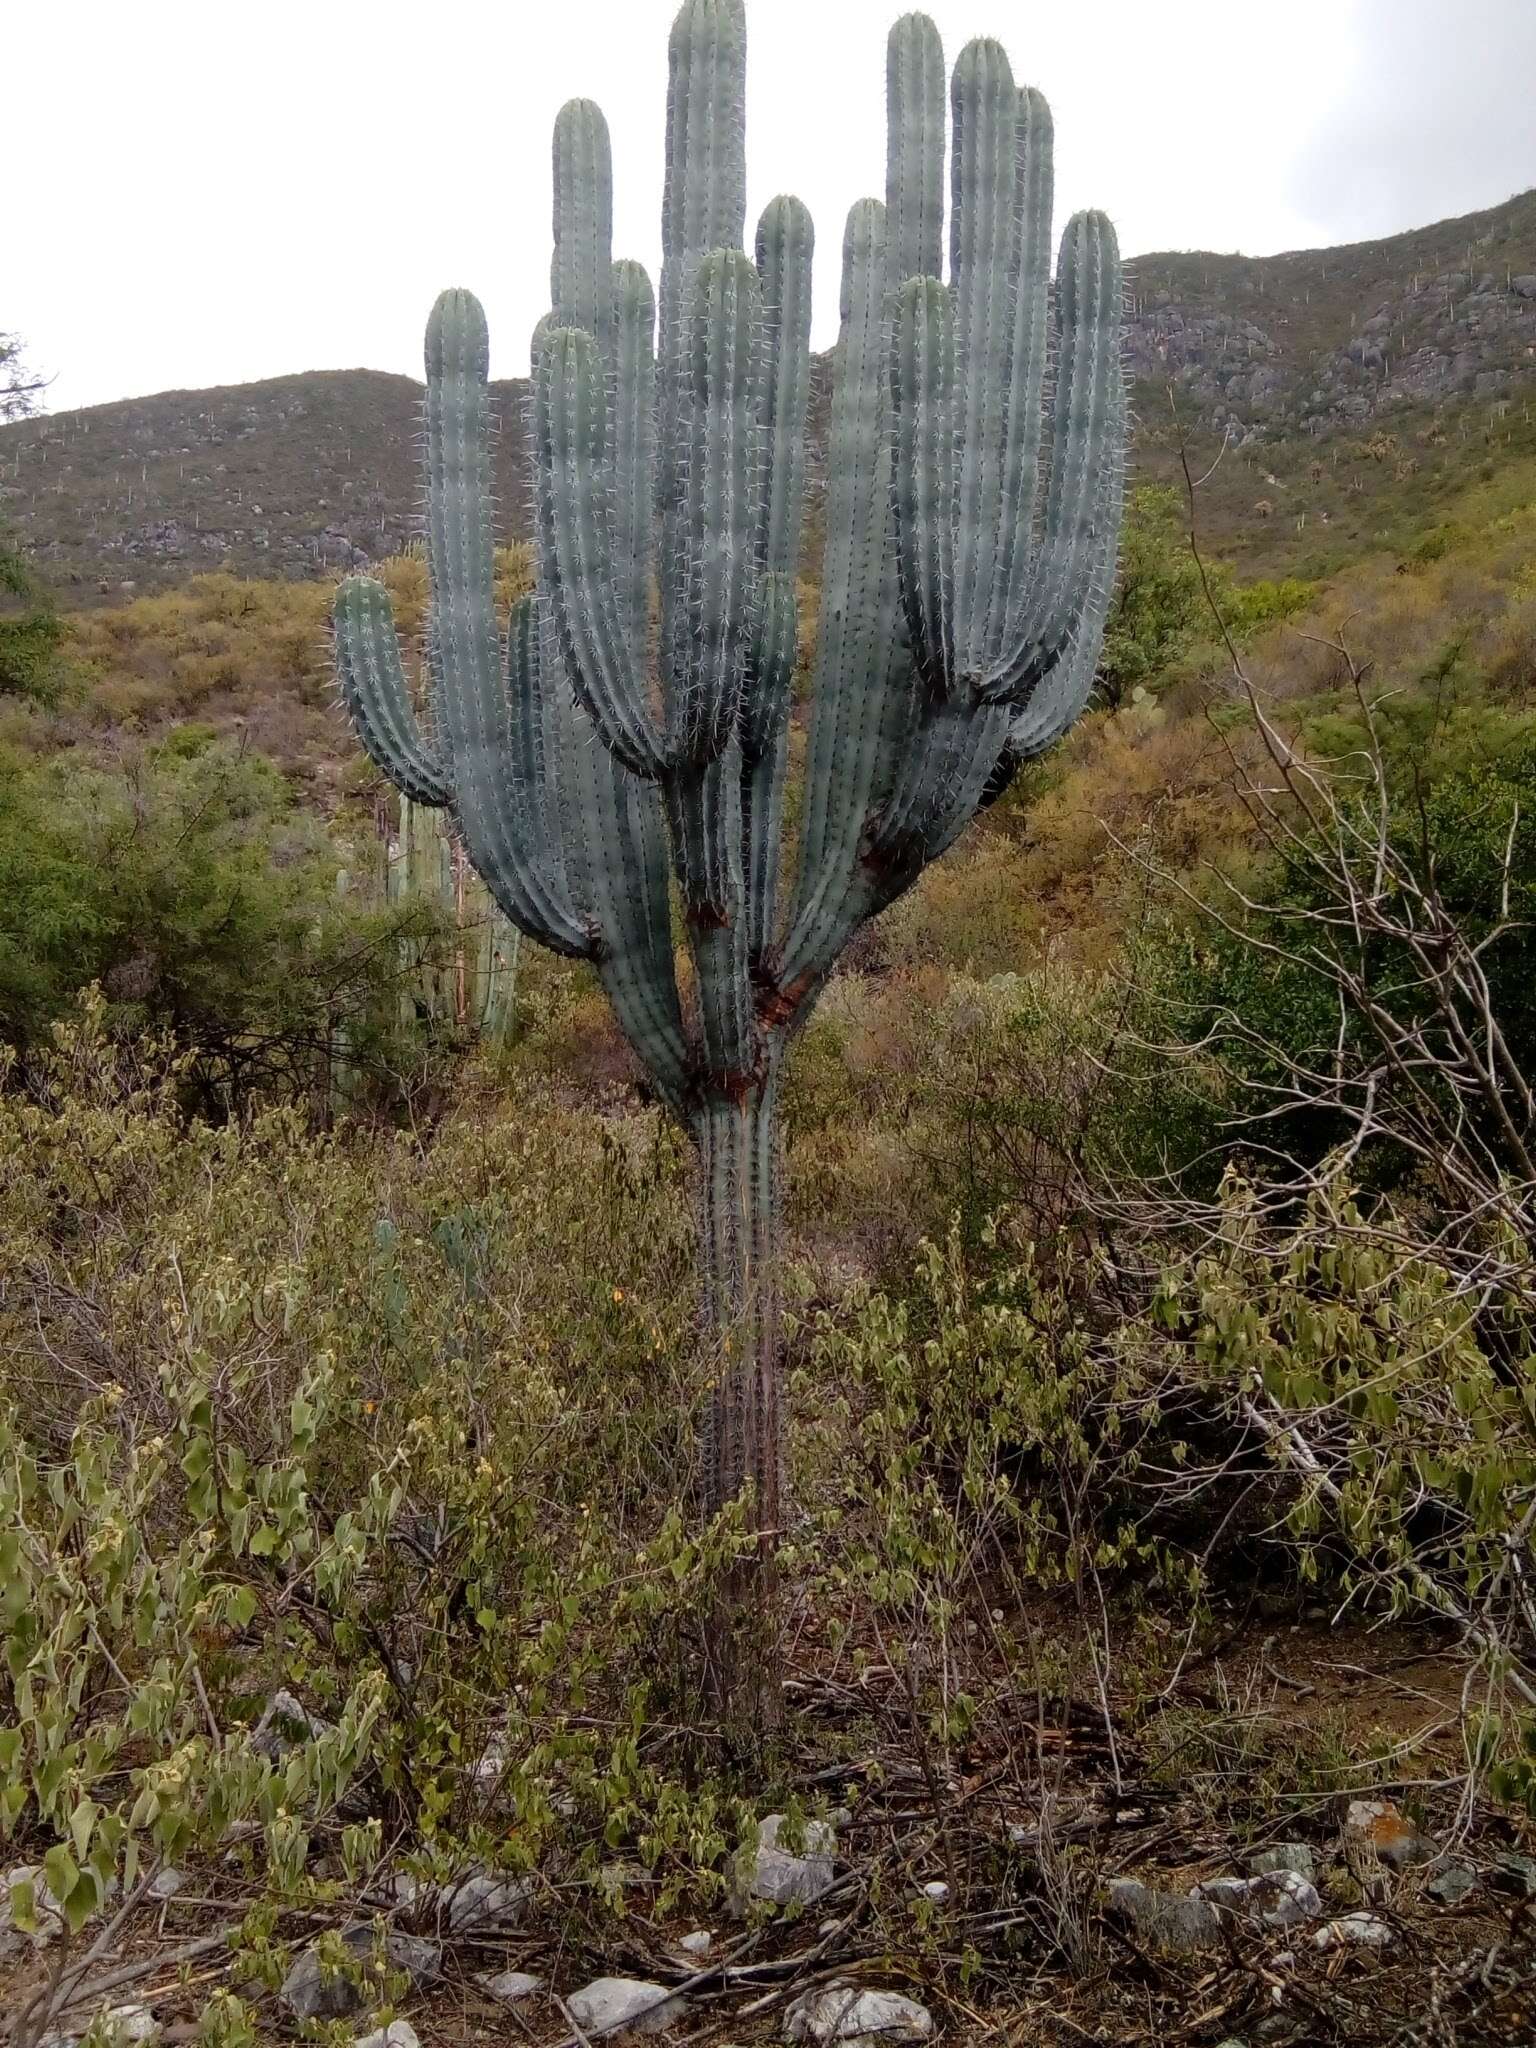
<point>374,690</point>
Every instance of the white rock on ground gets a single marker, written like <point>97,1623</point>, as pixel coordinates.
<point>1275,1899</point>
<point>311,1994</point>
<point>784,1877</point>
<point>854,2018</point>
<point>168,1883</point>
<point>698,1943</point>
<point>1376,1826</point>
<point>398,2034</point>
<point>938,1891</point>
<point>1285,1856</point>
<point>628,2005</point>
<point>510,1987</point>
<point>482,1901</point>
<point>1354,1930</point>
<point>285,1723</point>
<point>121,2025</point>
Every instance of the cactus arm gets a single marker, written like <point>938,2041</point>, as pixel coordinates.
<point>580,271</point>
<point>570,429</point>
<point>722,491</point>
<point>634,447</point>
<point>785,244</point>
<point>861,686</point>
<point>1030,265</point>
<point>984,174</point>
<point>465,643</point>
<point>923,472</point>
<point>616,818</point>
<point>703,208</point>
<point>373,688</point>
<point>507,808</point>
<point>1083,490</point>
<point>765,759</point>
<point>914,179</point>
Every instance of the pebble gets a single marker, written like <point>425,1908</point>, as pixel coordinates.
<point>938,1891</point>
<point>398,2034</point>
<point>698,1943</point>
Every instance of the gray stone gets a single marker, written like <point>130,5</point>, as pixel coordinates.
<point>120,2025</point>
<point>479,1900</point>
<point>1525,286</point>
<point>624,2005</point>
<point>1284,1856</point>
<point>937,1891</point>
<point>168,1883</point>
<point>784,1878</point>
<point>1521,1868</point>
<point>398,2034</point>
<point>1353,1930</point>
<point>1167,1918</point>
<point>1275,1898</point>
<point>856,2018</point>
<point>310,1992</point>
<point>1376,1828</point>
<point>698,1943</point>
<point>285,1724</point>
<point>510,1987</point>
<point>1451,1885</point>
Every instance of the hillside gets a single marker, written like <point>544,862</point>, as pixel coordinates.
<point>1356,384</point>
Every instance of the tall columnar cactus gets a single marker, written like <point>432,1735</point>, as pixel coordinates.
<point>631,729</point>
<point>470,985</point>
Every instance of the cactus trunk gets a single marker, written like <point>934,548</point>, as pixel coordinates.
<point>736,1175</point>
<point>639,706</point>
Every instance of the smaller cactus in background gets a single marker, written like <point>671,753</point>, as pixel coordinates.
<point>469,986</point>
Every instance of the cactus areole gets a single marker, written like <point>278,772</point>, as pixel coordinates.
<point>630,729</point>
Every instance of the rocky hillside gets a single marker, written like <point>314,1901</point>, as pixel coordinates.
<point>1324,338</point>
<point>1347,379</point>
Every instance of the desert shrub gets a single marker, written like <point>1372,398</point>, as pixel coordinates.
<point>186,880</point>
<point>31,632</point>
<point>391,1428</point>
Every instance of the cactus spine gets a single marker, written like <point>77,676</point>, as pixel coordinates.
<point>633,722</point>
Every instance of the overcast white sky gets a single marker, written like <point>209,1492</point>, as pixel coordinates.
<point>206,193</point>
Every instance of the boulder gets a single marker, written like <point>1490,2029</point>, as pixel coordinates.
<point>1167,1918</point>
<point>1353,1930</point>
<point>784,1877</point>
<point>1284,1856</point>
<point>1376,1827</point>
<point>1275,1898</point>
<point>624,2005</point>
<point>480,1901</point>
<point>285,1723</point>
<point>853,2017</point>
<point>312,1992</point>
<point>1451,1884</point>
